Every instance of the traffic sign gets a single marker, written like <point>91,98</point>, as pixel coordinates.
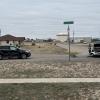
<point>69,22</point>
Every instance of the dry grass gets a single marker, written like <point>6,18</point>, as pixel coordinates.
<point>47,48</point>
<point>67,91</point>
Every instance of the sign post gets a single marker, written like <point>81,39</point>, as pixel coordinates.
<point>68,30</point>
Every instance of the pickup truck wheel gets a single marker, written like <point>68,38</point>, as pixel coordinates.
<point>92,54</point>
<point>0,57</point>
<point>24,56</point>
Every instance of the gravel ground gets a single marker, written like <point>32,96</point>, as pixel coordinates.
<point>31,69</point>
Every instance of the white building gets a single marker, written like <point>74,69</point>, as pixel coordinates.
<point>62,37</point>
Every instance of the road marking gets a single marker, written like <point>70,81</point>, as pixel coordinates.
<point>50,80</point>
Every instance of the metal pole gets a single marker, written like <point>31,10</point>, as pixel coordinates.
<point>68,23</point>
<point>69,40</point>
<point>73,36</point>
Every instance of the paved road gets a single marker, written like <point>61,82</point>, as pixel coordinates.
<point>61,58</point>
<point>55,58</point>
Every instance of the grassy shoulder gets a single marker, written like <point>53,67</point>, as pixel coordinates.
<point>48,48</point>
<point>65,91</point>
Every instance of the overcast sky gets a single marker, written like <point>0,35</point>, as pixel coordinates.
<point>44,18</point>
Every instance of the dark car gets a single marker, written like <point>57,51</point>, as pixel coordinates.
<point>13,52</point>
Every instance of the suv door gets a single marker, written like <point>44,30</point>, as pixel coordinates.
<point>5,51</point>
<point>14,53</point>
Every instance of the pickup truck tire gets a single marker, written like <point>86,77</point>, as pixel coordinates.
<point>92,54</point>
<point>1,57</point>
<point>23,56</point>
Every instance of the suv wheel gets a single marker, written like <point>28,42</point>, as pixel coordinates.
<point>23,56</point>
<point>0,57</point>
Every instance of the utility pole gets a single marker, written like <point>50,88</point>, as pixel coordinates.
<point>73,37</point>
<point>68,30</point>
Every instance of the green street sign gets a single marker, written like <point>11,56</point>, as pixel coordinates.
<point>69,22</point>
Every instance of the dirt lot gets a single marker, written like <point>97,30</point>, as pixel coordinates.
<point>48,48</point>
<point>31,69</point>
<point>80,48</point>
<point>68,91</point>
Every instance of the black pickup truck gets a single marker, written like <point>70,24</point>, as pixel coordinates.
<point>13,52</point>
<point>94,49</point>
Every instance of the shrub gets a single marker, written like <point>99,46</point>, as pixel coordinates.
<point>33,44</point>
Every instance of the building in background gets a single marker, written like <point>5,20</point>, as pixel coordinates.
<point>29,42</point>
<point>82,39</point>
<point>11,40</point>
<point>62,37</point>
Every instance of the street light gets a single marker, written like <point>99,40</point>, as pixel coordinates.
<point>68,30</point>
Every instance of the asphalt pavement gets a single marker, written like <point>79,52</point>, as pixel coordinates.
<point>61,58</point>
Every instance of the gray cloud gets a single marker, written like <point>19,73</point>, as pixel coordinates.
<point>21,17</point>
